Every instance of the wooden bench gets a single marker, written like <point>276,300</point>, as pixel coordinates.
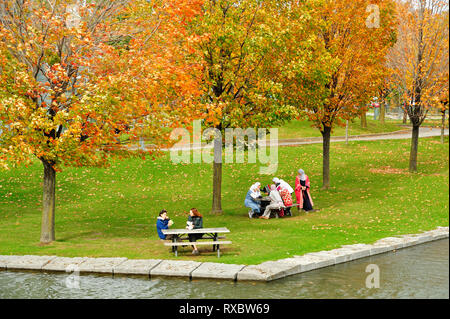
<point>274,212</point>
<point>180,237</point>
<point>216,245</point>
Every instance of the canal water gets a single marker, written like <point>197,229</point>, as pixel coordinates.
<point>416,272</point>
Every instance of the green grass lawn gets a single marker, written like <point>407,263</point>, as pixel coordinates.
<point>301,129</point>
<point>112,212</point>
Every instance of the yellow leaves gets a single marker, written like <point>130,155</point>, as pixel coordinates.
<point>416,32</point>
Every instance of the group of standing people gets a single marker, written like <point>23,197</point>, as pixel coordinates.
<point>280,194</point>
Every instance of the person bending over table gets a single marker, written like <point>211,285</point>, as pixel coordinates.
<point>195,221</point>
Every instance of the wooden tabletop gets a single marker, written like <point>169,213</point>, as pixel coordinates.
<point>195,231</point>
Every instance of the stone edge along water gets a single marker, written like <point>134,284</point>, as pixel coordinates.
<point>266,271</point>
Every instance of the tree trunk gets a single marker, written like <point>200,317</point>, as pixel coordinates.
<point>346,132</point>
<point>363,119</point>
<point>405,116</point>
<point>414,148</point>
<point>48,204</point>
<point>443,126</point>
<point>382,112</point>
<point>326,136</point>
<point>217,177</point>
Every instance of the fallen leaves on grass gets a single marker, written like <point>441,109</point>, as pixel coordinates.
<point>321,226</point>
<point>388,170</point>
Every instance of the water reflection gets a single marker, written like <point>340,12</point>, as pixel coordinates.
<point>416,272</point>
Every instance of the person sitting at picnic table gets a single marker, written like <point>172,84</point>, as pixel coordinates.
<point>195,221</point>
<point>302,186</point>
<point>251,200</point>
<point>163,222</point>
<point>275,202</point>
<point>285,192</point>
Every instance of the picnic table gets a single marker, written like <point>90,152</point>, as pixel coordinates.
<point>179,237</point>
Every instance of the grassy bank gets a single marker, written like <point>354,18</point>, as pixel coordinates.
<point>112,212</point>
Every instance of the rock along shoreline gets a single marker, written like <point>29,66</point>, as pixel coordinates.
<point>266,271</point>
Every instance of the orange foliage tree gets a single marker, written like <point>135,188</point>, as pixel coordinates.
<point>419,61</point>
<point>239,42</point>
<point>443,107</point>
<point>74,75</point>
<point>347,65</point>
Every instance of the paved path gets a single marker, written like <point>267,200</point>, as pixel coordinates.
<point>403,134</point>
<point>399,116</point>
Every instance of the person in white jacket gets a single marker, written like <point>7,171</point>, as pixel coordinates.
<point>275,202</point>
<point>283,184</point>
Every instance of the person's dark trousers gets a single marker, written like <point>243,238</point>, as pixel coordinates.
<point>287,211</point>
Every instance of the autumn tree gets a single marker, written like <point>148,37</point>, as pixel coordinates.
<point>74,75</point>
<point>419,61</point>
<point>442,104</point>
<point>240,41</point>
<point>444,108</point>
<point>386,88</point>
<point>347,65</point>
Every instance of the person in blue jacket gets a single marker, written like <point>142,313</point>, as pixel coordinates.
<point>163,222</point>
<point>252,199</point>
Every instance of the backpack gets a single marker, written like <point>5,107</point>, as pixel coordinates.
<point>286,197</point>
